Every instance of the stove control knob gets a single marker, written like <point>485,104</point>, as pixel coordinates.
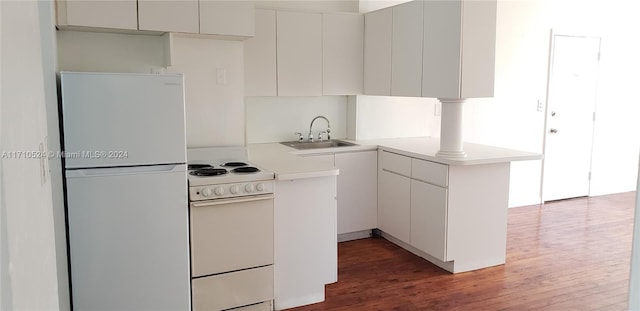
<point>218,191</point>
<point>207,192</point>
<point>260,187</point>
<point>234,189</point>
<point>248,188</point>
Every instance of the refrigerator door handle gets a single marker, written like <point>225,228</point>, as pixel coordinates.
<point>129,170</point>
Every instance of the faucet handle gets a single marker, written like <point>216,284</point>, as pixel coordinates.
<point>328,131</point>
<point>320,135</point>
<point>300,137</point>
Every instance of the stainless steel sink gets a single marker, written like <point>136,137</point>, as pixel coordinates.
<point>317,144</point>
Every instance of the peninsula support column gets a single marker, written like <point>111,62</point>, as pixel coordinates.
<point>451,129</point>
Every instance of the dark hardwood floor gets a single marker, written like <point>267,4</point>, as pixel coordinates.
<point>565,255</point>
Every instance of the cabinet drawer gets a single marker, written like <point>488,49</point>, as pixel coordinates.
<point>234,289</point>
<point>396,163</point>
<point>430,172</point>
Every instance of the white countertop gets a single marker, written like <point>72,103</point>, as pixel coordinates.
<point>288,163</point>
<point>426,148</point>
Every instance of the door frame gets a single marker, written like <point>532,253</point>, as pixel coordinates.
<point>552,35</point>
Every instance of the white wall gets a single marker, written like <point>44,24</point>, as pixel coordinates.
<point>215,109</point>
<point>49,59</point>
<point>389,117</point>
<point>522,54</point>
<point>28,265</point>
<point>108,52</point>
<point>275,119</point>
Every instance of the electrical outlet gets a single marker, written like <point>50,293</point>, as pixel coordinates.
<point>437,110</point>
<point>540,106</point>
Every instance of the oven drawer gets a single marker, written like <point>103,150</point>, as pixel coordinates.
<point>231,234</point>
<point>234,289</point>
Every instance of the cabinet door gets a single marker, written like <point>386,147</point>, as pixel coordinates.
<point>260,57</point>
<point>227,18</point>
<point>173,15</point>
<point>342,51</point>
<point>357,188</point>
<point>478,56</point>
<point>98,13</point>
<point>377,52</point>
<point>299,57</point>
<point>305,238</point>
<point>429,218</point>
<point>406,61</point>
<point>394,205</point>
<point>441,50</point>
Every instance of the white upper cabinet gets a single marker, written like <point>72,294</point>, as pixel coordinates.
<point>406,60</point>
<point>227,18</point>
<point>441,49</point>
<point>459,48</point>
<point>299,55</point>
<point>260,56</point>
<point>478,56</point>
<point>342,52</point>
<point>169,16</point>
<point>377,52</point>
<point>98,13</point>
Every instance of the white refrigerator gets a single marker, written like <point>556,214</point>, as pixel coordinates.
<point>126,190</point>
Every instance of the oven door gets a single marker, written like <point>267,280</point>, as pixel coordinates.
<point>231,234</point>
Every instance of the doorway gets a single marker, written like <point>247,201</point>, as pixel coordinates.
<point>570,116</point>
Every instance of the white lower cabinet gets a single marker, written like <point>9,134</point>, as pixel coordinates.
<point>429,219</point>
<point>410,209</point>
<point>394,205</point>
<point>357,185</point>
<point>306,246</point>
<point>453,215</point>
<point>357,188</point>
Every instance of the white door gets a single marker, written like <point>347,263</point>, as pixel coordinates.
<point>570,117</point>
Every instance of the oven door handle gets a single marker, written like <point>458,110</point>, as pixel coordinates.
<point>233,200</point>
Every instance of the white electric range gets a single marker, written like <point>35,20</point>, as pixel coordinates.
<point>231,224</point>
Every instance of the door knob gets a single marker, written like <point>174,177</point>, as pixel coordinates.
<point>553,113</point>
<point>553,131</point>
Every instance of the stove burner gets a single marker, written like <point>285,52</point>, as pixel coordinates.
<point>209,171</point>
<point>246,169</point>
<point>198,166</point>
<point>234,164</point>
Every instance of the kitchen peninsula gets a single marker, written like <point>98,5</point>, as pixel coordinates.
<point>450,211</point>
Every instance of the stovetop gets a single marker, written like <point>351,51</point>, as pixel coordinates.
<point>233,172</point>
<point>223,165</point>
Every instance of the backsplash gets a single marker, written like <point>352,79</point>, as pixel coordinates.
<point>375,117</point>
<point>274,119</point>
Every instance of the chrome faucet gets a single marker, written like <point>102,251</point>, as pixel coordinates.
<point>328,130</point>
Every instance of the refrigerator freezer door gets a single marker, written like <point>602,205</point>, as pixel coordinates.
<point>128,239</point>
<point>122,119</point>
